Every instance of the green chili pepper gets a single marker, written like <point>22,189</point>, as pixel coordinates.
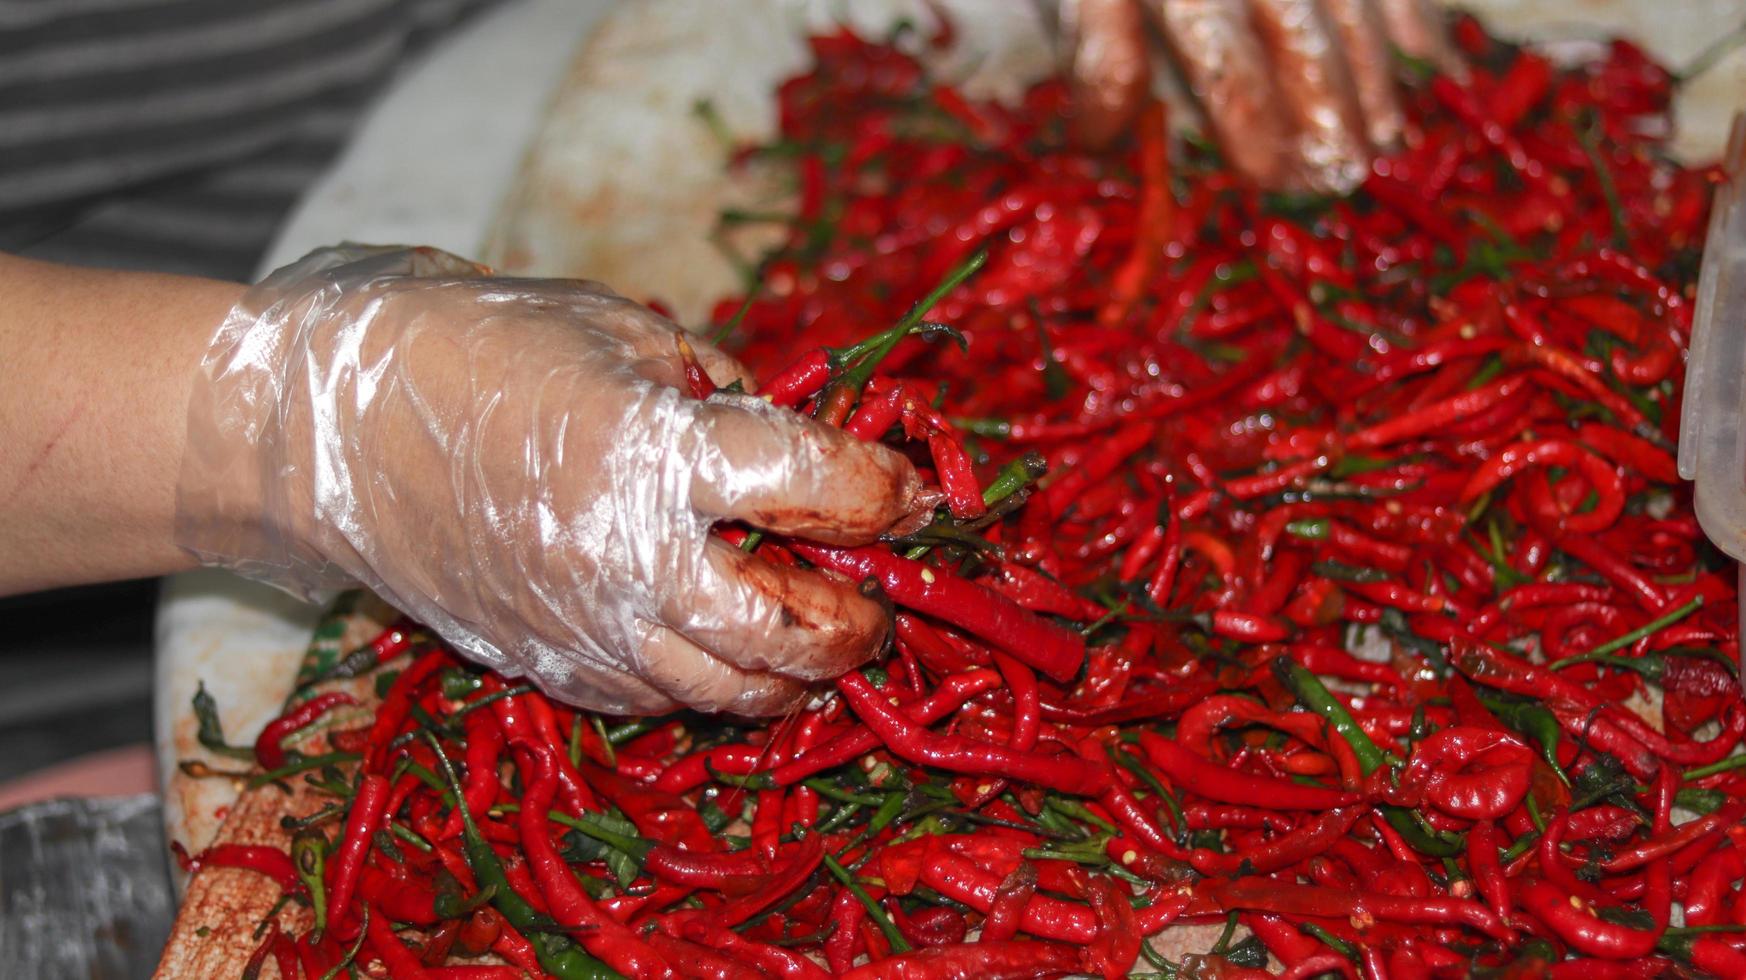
<point>1014,476</point>
<point>302,765</point>
<point>1533,721</point>
<point>1312,694</point>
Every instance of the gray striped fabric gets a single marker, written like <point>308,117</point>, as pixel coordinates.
<point>175,134</point>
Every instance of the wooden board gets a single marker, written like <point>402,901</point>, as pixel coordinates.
<point>214,930</point>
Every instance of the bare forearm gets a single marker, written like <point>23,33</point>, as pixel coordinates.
<point>95,371</point>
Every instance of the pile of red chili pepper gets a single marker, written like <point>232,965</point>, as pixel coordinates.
<point>1318,567</point>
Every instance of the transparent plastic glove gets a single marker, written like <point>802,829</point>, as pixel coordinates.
<point>512,462</point>
<point>1299,93</point>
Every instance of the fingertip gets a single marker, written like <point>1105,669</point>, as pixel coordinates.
<point>1108,68</point>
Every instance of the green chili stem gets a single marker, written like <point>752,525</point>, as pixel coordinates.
<point>883,921</point>
<point>1013,477</point>
<point>302,765</point>
<point>409,835</point>
<point>831,791</point>
<point>351,954</point>
<point>475,705</point>
<point>1700,930</point>
<point>606,743</point>
<point>1523,845</point>
<point>1732,762</point>
<point>1224,943</point>
<point>1078,811</point>
<point>1707,58</point>
<point>621,734</point>
<point>1152,782</point>
<point>1647,629</point>
<point>840,816</point>
<point>728,328</point>
<point>1603,175</point>
<point>1333,942</point>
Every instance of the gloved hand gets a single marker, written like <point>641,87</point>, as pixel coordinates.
<point>513,463</point>
<point>1299,93</point>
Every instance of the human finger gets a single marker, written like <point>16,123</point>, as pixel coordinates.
<point>1221,58</point>
<point>1363,36</point>
<point>1108,71</point>
<point>764,617</point>
<point>1316,92</point>
<point>690,675</point>
<point>586,682</point>
<point>1416,28</point>
<point>783,472</point>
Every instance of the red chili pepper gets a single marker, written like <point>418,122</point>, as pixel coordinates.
<point>701,961</point>
<point>400,961</point>
<point>362,821</point>
<point>773,961</point>
<point>957,754</point>
<point>1218,783</point>
<point>398,704</point>
<point>1476,773</point>
<point>1488,875</point>
<point>877,415</point>
<point>267,749</point>
<point>799,381</point>
<point>1002,921</point>
<point>484,749</point>
<point>1315,836</point>
<point>1656,849</point>
<point>843,944</point>
<point>947,697</point>
<point>697,380</point>
<point>1290,899</point>
<point>604,937</point>
<point>258,959</point>
<point>1098,464</point>
<point>1155,222</point>
<point>1117,944</point>
<point>1281,938</point>
<point>397,898</point>
<point>472,973</point>
<point>1249,627</point>
<point>957,478</point>
<point>270,861</point>
<point>1603,478</point>
<point>1042,645</point>
<point>1009,960</point>
<point>1710,885</point>
<point>1049,918</point>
